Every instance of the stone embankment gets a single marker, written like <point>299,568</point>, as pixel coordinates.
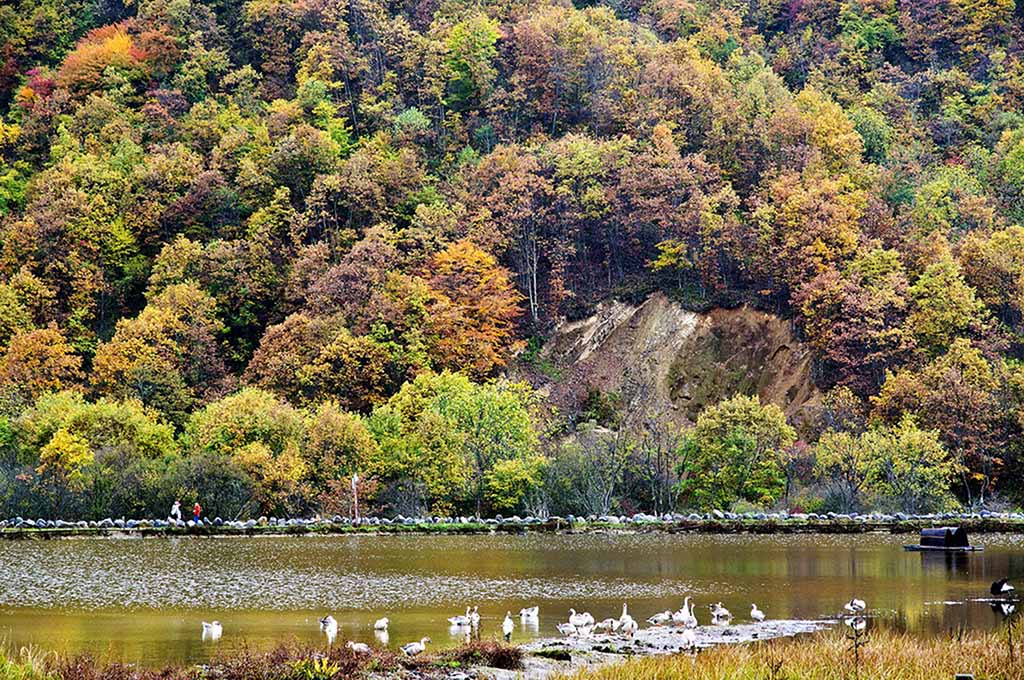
<point>714,522</point>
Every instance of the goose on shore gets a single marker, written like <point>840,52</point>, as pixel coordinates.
<point>857,623</point>
<point>855,606</point>
<point>358,647</point>
<point>507,626</point>
<point>688,639</point>
<point>690,619</point>
<point>1001,587</point>
<point>566,629</point>
<point>382,636</point>
<point>630,627</point>
<point>381,624</point>
<point>660,619</point>
<point>580,620</point>
<point>474,617</point>
<point>461,620</point>
<point>212,631</point>
<point>610,625</point>
<point>414,648</point>
<point>720,614</point>
<point>755,613</point>
<point>529,612</point>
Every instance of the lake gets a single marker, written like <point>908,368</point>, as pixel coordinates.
<point>143,600</point>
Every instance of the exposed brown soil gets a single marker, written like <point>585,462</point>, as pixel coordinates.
<point>660,355</point>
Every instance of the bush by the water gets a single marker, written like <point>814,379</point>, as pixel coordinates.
<point>286,662</point>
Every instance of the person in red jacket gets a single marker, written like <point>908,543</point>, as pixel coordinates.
<point>196,511</point>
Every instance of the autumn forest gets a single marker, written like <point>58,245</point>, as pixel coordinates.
<point>251,247</point>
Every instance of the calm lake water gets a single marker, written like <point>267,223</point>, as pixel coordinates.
<point>143,601</point>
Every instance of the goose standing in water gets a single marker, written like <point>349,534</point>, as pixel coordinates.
<point>414,648</point>
<point>382,636</point>
<point>358,647</point>
<point>507,626</point>
<point>329,626</point>
<point>529,612</point>
<point>755,613</point>
<point>212,631</point>
<point>474,617</point>
<point>1001,588</point>
<point>720,615</point>
<point>462,620</point>
<point>381,624</point>
<point>855,606</point>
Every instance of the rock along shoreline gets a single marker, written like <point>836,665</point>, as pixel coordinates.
<point>716,522</point>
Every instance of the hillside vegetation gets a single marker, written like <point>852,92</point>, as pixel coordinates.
<point>250,247</point>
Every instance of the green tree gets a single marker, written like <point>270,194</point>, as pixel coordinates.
<point>845,466</point>
<point>733,453</point>
<point>914,471</point>
<point>63,465</point>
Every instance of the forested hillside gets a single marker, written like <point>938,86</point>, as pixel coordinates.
<point>251,247</point>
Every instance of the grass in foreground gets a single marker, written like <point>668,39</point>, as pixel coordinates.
<point>287,662</point>
<point>828,656</point>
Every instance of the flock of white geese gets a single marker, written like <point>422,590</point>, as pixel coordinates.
<point>579,625</point>
<point>583,624</point>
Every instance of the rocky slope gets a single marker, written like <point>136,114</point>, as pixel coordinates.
<point>661,356</point>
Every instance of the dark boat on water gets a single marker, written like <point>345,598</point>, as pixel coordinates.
<point>944,539</point>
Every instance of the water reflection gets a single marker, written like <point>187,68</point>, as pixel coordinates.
<point>143,600</point>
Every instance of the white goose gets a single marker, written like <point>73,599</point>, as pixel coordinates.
<point>474,617</point>
<point>630,627</point>
<point>381,624</point>
<point>507,626</point>
<point>661,618</point>
<point>855,606</point>
<point>580,620</point>
<point>529,612</point>
<point>719,614</point>
<point>414,648</point>
<point>212,631</point>
<point>566,629</point>
<point>610,625</point>
<point>755,613</point>
<point>690,619</point>
<point>627,624</point>
<point>329,626</point>
<point>688,639</point>
<point>358,647</point>
<point>462,620</point>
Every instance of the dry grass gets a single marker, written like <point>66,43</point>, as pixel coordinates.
<point>828,656</point>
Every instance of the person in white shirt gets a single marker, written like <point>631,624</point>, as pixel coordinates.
<point>176,511</point>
